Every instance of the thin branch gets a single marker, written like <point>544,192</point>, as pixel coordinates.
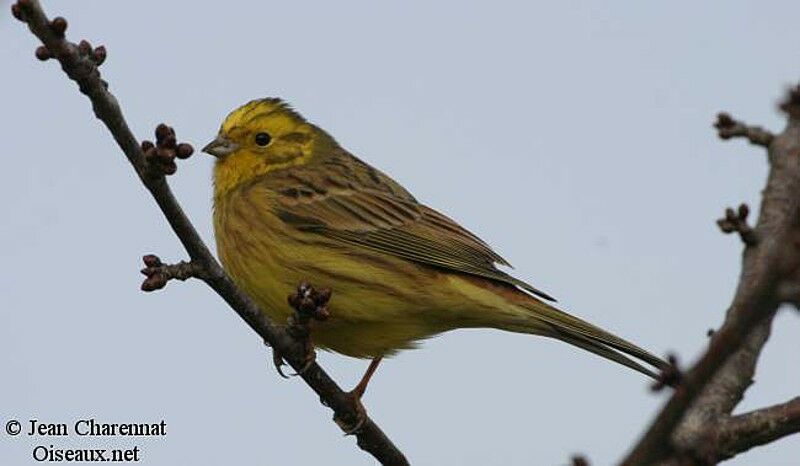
<point>764,268</point>
<point>82,68</point>
<point>728,128</point>
<point>158,273</point>
<point>736,221</point>
<point>745,431</point>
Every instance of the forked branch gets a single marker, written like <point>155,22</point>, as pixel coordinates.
<point>686,426</point>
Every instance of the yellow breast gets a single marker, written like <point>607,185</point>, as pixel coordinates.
<point>380,303</point>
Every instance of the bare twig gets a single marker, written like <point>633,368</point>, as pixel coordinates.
<point>766,264</point>
<point>82,68</point>
<point>736,221</point>
<point>161,155</point>
<point>728,128</point>
<point>158,273</point>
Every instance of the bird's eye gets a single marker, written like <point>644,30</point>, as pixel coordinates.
<point>262,139</point>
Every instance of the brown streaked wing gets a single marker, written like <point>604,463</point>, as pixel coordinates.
<point>382,221</point>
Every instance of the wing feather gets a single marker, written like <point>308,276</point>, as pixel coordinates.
<point>378,214</point>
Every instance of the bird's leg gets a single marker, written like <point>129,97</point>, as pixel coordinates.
<point>359,389</point>
<point>356,393</point>
<point>308,304</point>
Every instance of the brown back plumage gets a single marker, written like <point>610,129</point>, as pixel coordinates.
<point>343,198</point>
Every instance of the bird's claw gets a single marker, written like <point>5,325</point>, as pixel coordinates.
<point>278,362</point>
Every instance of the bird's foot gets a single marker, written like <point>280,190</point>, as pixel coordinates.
<point>352,426</point>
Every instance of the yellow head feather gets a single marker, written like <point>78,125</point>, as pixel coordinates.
<point>265,135</point>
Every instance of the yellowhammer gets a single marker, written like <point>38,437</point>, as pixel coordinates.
<point>290,204</point>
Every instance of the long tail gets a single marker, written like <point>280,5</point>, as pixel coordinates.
<point>542,319</point>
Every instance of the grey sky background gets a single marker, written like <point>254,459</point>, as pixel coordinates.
<point>573,136</point>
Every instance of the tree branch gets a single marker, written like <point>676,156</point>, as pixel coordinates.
<point>745,431</point>
<point>82,67</point>
<point>696,435</point>
<point>766,265</point>
<point>728,128</point>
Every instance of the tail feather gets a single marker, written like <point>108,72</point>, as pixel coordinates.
<point>518,311</point>
<point>570,329</point>
<point>602,351</point>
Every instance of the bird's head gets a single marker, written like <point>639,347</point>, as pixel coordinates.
<point>261,136</point>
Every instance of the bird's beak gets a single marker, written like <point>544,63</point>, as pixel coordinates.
<point>220,147</point>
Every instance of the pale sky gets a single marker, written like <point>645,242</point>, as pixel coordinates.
<point>575,137</point>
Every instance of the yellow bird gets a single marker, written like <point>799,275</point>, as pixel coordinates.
<point>290,204</point>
